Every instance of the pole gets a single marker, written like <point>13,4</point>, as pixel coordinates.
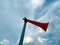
<point>23,33</point>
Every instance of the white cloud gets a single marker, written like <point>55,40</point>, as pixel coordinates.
<point>4,42</point>
<point>36,3</point>
<point>27,39</point>
<point>41,39</point>
<point>33,4</point>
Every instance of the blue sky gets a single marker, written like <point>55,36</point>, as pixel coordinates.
<point>11,23</point>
